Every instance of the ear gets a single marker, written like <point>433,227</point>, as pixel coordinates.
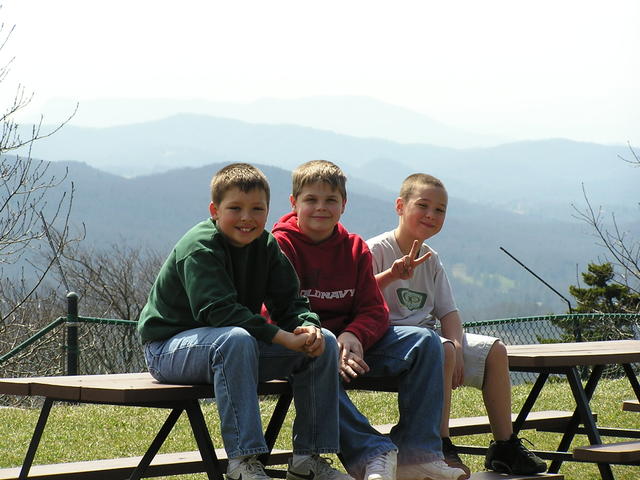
<point>213,210</point>
<point>344,205</point>
<point>399,205</point>
<point>292,201</point>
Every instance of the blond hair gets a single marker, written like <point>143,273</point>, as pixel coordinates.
<point>412,181</point>
<point>238,175</point>
<point>318,171</point>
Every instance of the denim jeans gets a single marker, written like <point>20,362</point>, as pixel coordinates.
<point>414,355</point>
<point>234,362</point>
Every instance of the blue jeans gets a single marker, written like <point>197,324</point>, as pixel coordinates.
<point>414,355</point>
<point>234,362</point>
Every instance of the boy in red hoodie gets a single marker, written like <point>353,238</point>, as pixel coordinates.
<point>336,275</point>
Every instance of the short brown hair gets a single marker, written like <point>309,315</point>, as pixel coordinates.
<point>409,184</point>
<point>238,175</point>
<point>318,171</point>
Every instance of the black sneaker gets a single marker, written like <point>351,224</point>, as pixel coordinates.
<point>511,456</point>
<point>450,452</point>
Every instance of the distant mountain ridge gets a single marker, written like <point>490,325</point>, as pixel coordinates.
<point>528,177</point>
<point>352,115</point>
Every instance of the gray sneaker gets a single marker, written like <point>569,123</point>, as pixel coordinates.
<point>382,467</point>
<point>249,469</point>
<point>436,470</point>
<point>315,468</point>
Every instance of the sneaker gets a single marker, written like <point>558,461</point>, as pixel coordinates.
<point>451,457</point>
<point>436,470</point>
<point>382,467</point>
<point>315,468</point>
<point>511,456</point>
<point>249,469</point>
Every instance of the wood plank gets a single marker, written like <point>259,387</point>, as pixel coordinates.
<point>577,353</point>
<point>620,452</point>
<point>631,406</point>
<point>121,468</point>
<point>15,386</point>
<point>117,388</point>
<point>509,476</point>
<point>475,425</point>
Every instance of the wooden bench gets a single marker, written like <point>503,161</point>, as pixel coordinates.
<point>143,391</point>
<point>631,405</point>
<point>627,453</point>
<point>624,453</point>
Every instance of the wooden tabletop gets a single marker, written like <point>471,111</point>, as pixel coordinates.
<point>117,388</point>
<point>572,354</point>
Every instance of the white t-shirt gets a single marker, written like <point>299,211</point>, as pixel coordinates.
<point>422,299</point>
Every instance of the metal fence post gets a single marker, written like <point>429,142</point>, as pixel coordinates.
<point>72,333</point>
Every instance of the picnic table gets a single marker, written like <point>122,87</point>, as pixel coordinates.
<point>565,359</point>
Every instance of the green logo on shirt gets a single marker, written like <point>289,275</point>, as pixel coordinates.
<point>410,299</point>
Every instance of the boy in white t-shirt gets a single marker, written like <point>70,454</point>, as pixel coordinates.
<point>415,286</point>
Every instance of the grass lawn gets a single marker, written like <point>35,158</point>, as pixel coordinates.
<point>86,432</point>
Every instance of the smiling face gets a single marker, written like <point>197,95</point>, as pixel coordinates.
<point>241,216</point>
<point>318,207</point>
<point>422,213</point>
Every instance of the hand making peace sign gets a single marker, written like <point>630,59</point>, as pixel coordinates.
<point>403,267</point>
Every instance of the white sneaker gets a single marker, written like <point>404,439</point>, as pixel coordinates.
<point>382,467</point>
<point>248,469</point>
<point>315,468</point>
<point>436,470</point>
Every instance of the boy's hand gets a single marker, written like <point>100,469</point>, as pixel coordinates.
<point>352,363</point>
<point>292,341</point>
<point>402,269</point>
<point>314,345</point>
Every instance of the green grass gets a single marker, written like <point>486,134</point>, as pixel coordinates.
<point>87,432</point>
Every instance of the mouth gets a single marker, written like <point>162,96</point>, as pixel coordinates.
<point>245,229</point>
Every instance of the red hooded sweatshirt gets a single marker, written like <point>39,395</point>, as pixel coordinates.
<point>336,276</point>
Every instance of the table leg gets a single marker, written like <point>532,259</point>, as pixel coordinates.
<point>35,439</point>
<point>203,439</point>
<point>633,380</point>
<point>162,435</point>
<point>530,401</point>
<point>275,423</point>
<point>582,413</point>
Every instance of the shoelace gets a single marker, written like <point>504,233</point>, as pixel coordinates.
<point>324,465</point>
<point>380,463</point>
<point>522,448</point>
<point>254,466</point>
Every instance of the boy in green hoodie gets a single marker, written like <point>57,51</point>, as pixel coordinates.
<point>202,324</point>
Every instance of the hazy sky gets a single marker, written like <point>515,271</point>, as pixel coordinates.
<point>525,69</point>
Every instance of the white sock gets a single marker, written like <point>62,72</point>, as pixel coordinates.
<point>235,462</point>
<point>298,459</point>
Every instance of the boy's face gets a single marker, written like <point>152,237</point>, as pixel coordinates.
<point>319,208</point>
<point>423,214</point>
<point>241,216</point>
